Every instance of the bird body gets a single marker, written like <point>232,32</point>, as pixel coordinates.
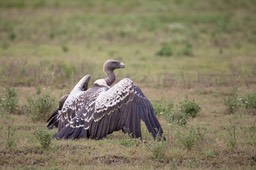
<point>103,109</point>
<point>82,85</point>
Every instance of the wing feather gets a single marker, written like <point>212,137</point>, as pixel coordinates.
<point>53,120</point>
<point>66,102</point>
<point>122,106</point>
<point>128,105</point>
<point>75,115</point>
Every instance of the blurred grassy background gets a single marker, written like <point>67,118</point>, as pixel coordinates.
<point>54,42</point>
<point>203,51</point>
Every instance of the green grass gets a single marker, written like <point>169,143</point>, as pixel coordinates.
<point>241,104</point>
<point>40,105</point>
<point>44,138</point>
<point>9,102</point>
<point>172,50</point>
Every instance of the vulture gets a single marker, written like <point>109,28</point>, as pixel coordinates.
<point>95,112</point>
<point>82,85</point>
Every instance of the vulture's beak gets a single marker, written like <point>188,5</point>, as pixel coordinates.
<point>122,65</point>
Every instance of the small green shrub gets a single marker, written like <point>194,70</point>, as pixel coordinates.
<point>9,128</point>
<point>51,35</point>
<point>249,102</point>
<point>68,70</point>
<point>159,149</point>
<point>164,108</point>
<point>188,139</point>
<point>165,51</point>
<point>185,110</point>
<point>210,154</point>
<point>233,104</point>
<point>44,138</point>
<point>64,48</point>
<point>40,3</point>
<point>40,107</point>
<point>178,117</point>
<point>128,142</point>
<point>250,135</point>
<point>9,102</point>
<point>231,138</point>
<point>187,50</point>
<point>191,137</point>
<point>189,108</point>
<point>12,36</point>
<point>237,104</point>
<point>38,90</point>
<point>11,140</point>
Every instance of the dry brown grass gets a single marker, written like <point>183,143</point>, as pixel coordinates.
<point>118,150</point>
<point>52,44</point>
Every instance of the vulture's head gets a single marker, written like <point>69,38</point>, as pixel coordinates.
<point>111,65</point>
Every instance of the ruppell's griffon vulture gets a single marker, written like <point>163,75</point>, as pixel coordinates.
<point>104,108</point>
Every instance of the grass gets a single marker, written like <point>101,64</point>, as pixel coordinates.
<point>39,106</point>
<point>184,110</point>
<point>244,104</point>
<point>189,108</point>
<point>9,130</point>
<point>172,50</point>
<point>9,102</point>
<point>44,138</point>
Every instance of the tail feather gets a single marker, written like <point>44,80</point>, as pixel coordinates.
<point>72,133</point>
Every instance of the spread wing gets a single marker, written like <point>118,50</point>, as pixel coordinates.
<point>73,115</point>
<point>53,119</point>
<point>67,99</point>
<point>122,106</point>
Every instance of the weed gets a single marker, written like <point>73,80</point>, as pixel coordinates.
<point>166,50</point>
<point>178,117</point>
<point>51,35</point>
<point>236,104</point>
<point>158,107</point>
<point>200,134</point>
<point>10,100</point>
<point>249,102</point>
<point>44,138</point>
<point>64,48</point>
<point>233,104</point>
<point>40,3</point>
<point>128,142</point>
<point>8,123</point>
<point>210,154</point>
<point>231,138</point>
<point>16,4</point>
<point>190,137</point>
<point>38,90</point>
<point>185,110</point>
<point>187,50</point>
<point>250,134</point>
<point>40,106</point>
<point>11,141</point>
<point>189,108</point>
<point>158,149</point>
<point>68,70</point>
<point>12,36</point>
<point>164,108</point>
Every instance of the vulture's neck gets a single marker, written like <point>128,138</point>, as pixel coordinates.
<point>111,77</point>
